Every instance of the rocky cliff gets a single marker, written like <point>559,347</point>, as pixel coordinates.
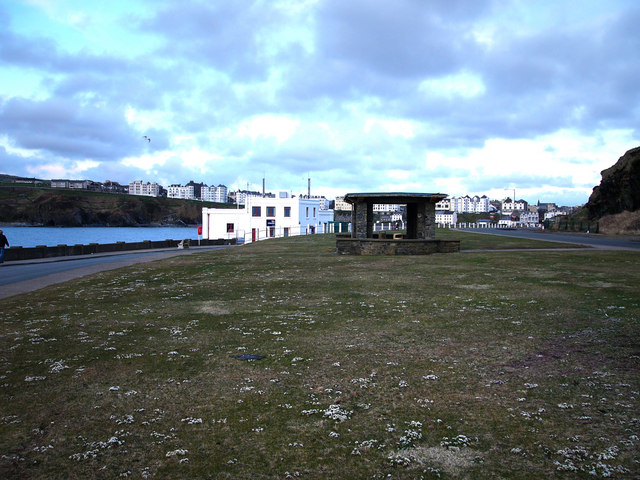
<point>49,207</point>
<point>619,190</point>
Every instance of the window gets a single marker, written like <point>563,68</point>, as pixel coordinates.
<point>287,211</point>
<point>230,228</point>
<point>314,211</point>
<point>307,212</point>
<point>256,211</point>
<point>271,211</point>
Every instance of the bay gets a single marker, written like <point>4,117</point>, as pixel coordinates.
<point>52,236</point>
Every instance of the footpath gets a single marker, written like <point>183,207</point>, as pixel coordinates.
<point>77,267</point>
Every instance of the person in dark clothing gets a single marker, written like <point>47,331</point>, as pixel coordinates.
<point>3,242</point>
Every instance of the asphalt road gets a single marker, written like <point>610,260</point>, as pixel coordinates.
<point>593,240</point>
<point>30,275</point>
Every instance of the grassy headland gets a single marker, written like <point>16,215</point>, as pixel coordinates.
<point>75,208</point>
<point>473,365</point>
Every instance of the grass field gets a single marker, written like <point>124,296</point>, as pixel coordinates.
<point>471,365</point>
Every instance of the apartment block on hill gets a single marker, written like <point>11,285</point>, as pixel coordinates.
<point>465,204</point>
<point>185,192</point>
<point>147,189</point>
<point>199,191</point>
<point>217,194</point>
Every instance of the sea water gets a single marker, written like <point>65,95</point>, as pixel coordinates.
<point>52,236</point>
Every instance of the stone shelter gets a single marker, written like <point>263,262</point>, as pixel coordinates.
<point>421,226</point>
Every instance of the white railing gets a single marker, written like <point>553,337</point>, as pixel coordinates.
<point>484,225</point>
<point>386,226</point>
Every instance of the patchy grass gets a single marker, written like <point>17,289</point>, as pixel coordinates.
<point>476,365</point>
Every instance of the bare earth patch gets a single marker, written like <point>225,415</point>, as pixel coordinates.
<point>452,461</point>
<point>213,308</point>
<point>474,286</point>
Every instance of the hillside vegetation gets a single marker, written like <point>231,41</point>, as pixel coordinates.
<point>68,208</point>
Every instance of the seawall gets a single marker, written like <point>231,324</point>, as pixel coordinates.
<point>42,251</point>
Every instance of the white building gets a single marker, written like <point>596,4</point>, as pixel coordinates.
<point>342,206</point>
<point>214,194</point>
<point>554,214</point>
<point>481,204</point>
<point>267,217</point>
<point>529,218</point>
<point>324,203</point>
<point>446,217</point>
<point>466,204</point>
<point>509,205</point>
<point>507,222</point>
<point>71,184</point>
<point>179,191</point>
<point>148,189</point>
<point>241,196</point>
<point>385,207</point>
<point>444,204</point>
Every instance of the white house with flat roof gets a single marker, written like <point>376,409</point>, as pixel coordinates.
<point>267,217</point>
<point>446,218</point>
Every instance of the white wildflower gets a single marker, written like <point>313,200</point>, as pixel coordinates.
<point>336,412</point>
<point>179,452</point>
<point>58,367</point>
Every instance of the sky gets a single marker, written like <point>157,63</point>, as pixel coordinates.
<point>438,96</point>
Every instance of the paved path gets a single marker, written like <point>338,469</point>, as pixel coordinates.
<point>25,276</point>
<point>592,240</point>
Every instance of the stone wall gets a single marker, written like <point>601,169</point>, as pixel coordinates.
<point>373,246</point>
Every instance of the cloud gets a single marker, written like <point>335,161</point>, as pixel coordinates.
<point>67,129</point>
<point>457,96</point>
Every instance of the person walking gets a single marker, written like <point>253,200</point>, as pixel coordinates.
<point>3,242</point>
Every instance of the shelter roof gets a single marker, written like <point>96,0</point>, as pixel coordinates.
<point>394,197</point>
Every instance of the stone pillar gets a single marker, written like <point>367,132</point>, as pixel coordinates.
<point>422,229</point>
<point>421,220</point>
<point>426,220</point>
<point>362,219</point>
<point>354,220</point>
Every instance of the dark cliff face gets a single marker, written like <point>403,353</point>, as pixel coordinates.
<point>619,189</point>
